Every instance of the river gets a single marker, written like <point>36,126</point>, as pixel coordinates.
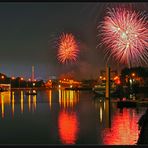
<point>65,117</point>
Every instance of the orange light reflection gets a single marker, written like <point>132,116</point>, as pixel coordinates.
<point>68,127</point>
<point>50,98</point>
<point>4,99</point>
<point>22,101</point>
<point>34,103</point>
<point>124,129</point>
<point>68,98</point>
<point>12,103</point>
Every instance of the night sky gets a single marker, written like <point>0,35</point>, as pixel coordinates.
<point>29,31</point>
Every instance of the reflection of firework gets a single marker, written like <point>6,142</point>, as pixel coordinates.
<point>68,127</point>
<point>126,34</point>
<point>68,48</point>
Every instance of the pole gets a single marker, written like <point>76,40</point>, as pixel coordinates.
<point>32,73</point>
<point>107,93</point>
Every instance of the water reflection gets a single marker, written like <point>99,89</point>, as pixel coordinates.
<point>50,98</point>
<point>4,99</point>
<point>104,110</point>
<point>68,98</point>
<point>22,101</point>
<point>124,129</point>
<point>68,127</point>
<point>29,102</point>
<point>34,103</point>
<point>68,123</point>
<point>72,119</point>
<point>12,103</point>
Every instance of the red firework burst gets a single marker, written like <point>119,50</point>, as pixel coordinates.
<point>125,33</point>
<point>68,48</point>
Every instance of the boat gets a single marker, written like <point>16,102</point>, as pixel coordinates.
<point>99,90</point>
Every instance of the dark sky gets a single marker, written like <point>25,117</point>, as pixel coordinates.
<point>28,32</point>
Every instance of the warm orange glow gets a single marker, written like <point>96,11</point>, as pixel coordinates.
<point>60,94</point>
<point>104,78</point>
<point>34,102</point>
<point>4,99</point>
<point>12,78</point>
<point>101,114</point>
<point>12,103</point>
<point>29,102</point>
<point>133,74</point>
<point>2,77</point>
<point>22,78</point>
<point>116,77</point>
<point>100,77</point>
<point>68,127</point>
<point>50,98</point>
<point>68,98</point>
<point>117,80</point>
<point>3,106</point>
<point>124,129</point>
<point>29,79</point>
<point>22,102</point>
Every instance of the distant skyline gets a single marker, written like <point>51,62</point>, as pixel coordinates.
<point>28,32</point>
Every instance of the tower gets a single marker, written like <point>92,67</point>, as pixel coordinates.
<point>32,77</point>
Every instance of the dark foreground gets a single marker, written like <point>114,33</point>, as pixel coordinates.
<point>143,125</point>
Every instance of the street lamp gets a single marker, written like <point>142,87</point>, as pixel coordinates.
<point>2,77</point>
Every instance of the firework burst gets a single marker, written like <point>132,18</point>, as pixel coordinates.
<point>67,48</point>
<point>125,34</point>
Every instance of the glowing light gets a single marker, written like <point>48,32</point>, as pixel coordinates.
<point>50,97</point>
<point>13,103</point>
<point>22,101</point>
<point>124,129</point>
<point>34,103</point>
<point>68,127</point>
<point>125,33</point>
<point>3,106</point>
<point>133,74</point>
<point>2,77</point>
<point>101,114</point>
<point>67,48</point>
<point>12,78</point>
<point>29,102</point>
<point>4,99</point>
<point>68,99</point>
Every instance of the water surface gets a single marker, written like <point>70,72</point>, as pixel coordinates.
<point>65,117</point>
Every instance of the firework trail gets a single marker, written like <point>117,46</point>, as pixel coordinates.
<point>67,48</point>
<point>125,34</point>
